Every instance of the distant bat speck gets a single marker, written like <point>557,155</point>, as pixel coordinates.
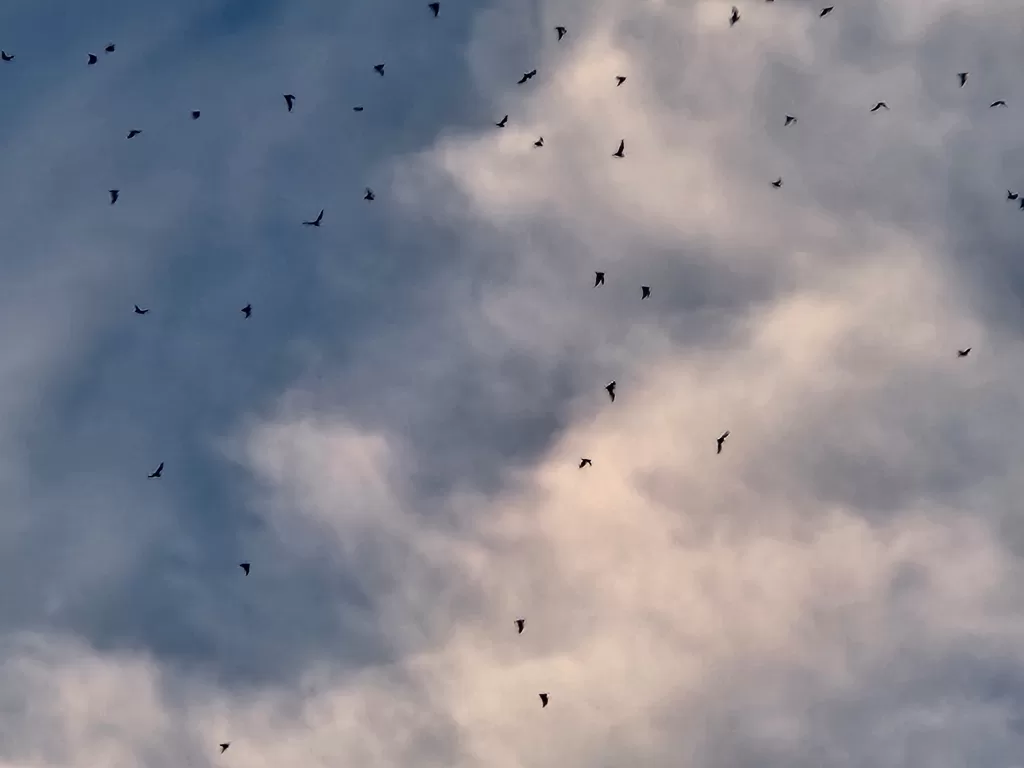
<point>561,32</point>
<point>244,567</point>
<point>435,7</point>
<point>224,747</point>
<point>139,311</point>
<point>598,279</point>
<point>645,292</point>
<point>539,142</point>
<point>379,69</point>
<point>521,625</point>
<point>92,59</point>
<point>110,48</point>
<point>879,105</point>
<point>503,122</point>
<point>133,133</point>
<point>999,103</point>
<point>963,78</point>
<point>527,76</point>
<point>289,99</point>
<point>735,16</point>
<point>195,114</point>
<point>159,472</point>
<point>610,389</point>
<point>6,56</point>
<point>825,12</point>
<point>963,352</point>
<point>586,463</point>
<point>619,80</point>
<point>369,195</point>
<point>790,119</point>
<point>114,195</point>
<point>315,222</point>
<point>247,310</point>
<point>621,151</point>
<point>543,700</point>
<point>777,183</point>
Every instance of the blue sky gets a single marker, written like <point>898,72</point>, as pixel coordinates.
<point>392,438</point>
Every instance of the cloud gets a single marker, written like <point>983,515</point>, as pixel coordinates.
<point>392,439</point>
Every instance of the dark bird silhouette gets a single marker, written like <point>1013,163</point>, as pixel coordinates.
<point>133,133</point>
<point>159,471</point>
<point>114,194</point>
<point>879,105</point>
<point>825,12</point>
<point>521,624</point>
<point>1022,203</point>
<point>247,310</point>
<point>963,352</point>
<point>195,114</point>
<point>721,440</point>
<point>645,292</point>
<point>619,80</point>
<point>527,76</point>
<point>140,311</point>
<point>777,183</point>
<point>963,78</point>
<point>435,7</point>
<point>315,222</point>
<point>369,195</point>
<point>1010,195</point>
<point>224,747</point>
<point>543,700</point>
<point>289,99</point>
<point>503,122</point>
<point>999,103</point>
<point>357,109</point>
<point>735,16</point>
<point>790,119</point>
<point>598,279</point>
<point>244,567</point>
<point>561,32</point>
<point>586,463</point>
<point>110,48</point>
<point>92,59</point>
<point>610,388</point>
<point>621,151</point>
<point>539,142</point>
<point>6,56</point>
<point>379,69</point>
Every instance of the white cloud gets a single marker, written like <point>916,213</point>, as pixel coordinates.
<point>666,576</point>
<point>836,587</point>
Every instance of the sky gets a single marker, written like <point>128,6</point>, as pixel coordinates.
<point>392,439</point>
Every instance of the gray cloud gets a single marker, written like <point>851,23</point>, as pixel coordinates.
<point>392,438</point>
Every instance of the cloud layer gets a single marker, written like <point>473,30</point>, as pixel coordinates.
<point>392,439</point>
